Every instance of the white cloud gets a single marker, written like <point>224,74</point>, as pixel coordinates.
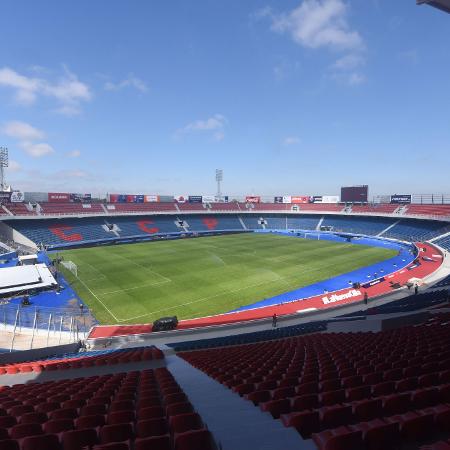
<point>22,131</point>
<point>36,149</point>
<point>349,62</point>
<point>26,88</point>
<point>348,69</point>
<point>14,166</point>
<point>68,91</point>
<point>130,81</point>
<point>291,140</point>
<point>318,23</point>
<point>215,125</point>
<point>74,154</point>
<point>27,135</point>
<point>356,78</point>
<point>349,78</point>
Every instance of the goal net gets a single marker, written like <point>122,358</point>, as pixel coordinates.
<point>71,266</point>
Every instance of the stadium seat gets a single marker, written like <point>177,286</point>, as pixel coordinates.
<point>9,444</point>
<point>339,439</point>
<point>77,439</point>
<point>57,426</point>
<point>152,427</point>
<point>194,440</point>
<point>43,442</point>
<point>116,433</point>
<point>154,443</point>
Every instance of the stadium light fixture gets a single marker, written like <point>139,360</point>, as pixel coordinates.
<point>219,178</point>
<point>4,162</point>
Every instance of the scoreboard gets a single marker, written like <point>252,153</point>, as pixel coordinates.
<point>355,194</point>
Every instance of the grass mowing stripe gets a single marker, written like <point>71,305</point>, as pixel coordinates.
<point>255,267</point>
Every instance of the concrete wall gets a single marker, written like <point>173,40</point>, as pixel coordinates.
<point>13,235</point>
<point>37,353</point>
<point>380,322</point>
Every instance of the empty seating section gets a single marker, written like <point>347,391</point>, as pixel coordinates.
<point>268,207</point>
<point>444,242</point>
<point>224,207</point>
<point>409,304</point>
<point>62,231</point>
<point>370,226</point>
<point>18,209</point>
<point>141,207</point>
<point>276,222</point>
<point>84,359</point>
<point>346,390</point>
<point>254,222</point>
<point>320,207</point>
<point>71,208</point>
<point>211,223</point>
<point>417,230</point>
<point>443,283</point>
<point>257,336</point>
<point>145,225</point>
<point>191,207</point>
<point>429,210</point>
<point>374,209</point>
<point>76,230</point>
<point>136,410</point>
<point>303,223</point>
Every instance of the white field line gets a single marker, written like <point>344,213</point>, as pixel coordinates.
<point>104,306</point>
<point>98,277</point>
<point>156,283</point>
<point>168,280</point>
<point>280,278</point>
<point>100,273</point>
<point>199,300</point>
<point>216,257</point>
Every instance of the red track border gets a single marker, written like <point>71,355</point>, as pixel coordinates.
<point>433,260</point>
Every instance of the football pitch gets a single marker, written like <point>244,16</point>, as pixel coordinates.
<point>138,283</point>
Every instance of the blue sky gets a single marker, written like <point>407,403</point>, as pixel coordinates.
<point>288,97</point>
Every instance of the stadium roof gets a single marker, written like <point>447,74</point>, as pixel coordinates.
<point>441,4</point>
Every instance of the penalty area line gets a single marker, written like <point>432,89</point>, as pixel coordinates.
<point>143,267</point>
<point>95,296</point>
<point>117,291</point>
<point>199,300</point>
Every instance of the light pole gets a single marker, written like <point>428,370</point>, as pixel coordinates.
<point>4,161</point>
<point>219,178</point>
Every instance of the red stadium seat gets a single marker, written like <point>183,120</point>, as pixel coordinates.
<point>44,442</point>
<point>57,426</point>
<point>153,443</point>
<point>9,444</point>
<point>78,439</point>
<point>152,427</point>
<point>116,433</point>
<point>24,430</point>
<point>194,440</point>
<point>339,439</point>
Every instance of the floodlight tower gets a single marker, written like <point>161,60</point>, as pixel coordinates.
<point>3,164</point>
<point>219,178</point>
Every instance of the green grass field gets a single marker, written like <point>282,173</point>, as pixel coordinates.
<point>137,283</point>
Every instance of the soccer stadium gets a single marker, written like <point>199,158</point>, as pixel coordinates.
<point>308,313</point>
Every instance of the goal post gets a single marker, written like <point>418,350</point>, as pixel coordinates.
<point>71,267</point>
